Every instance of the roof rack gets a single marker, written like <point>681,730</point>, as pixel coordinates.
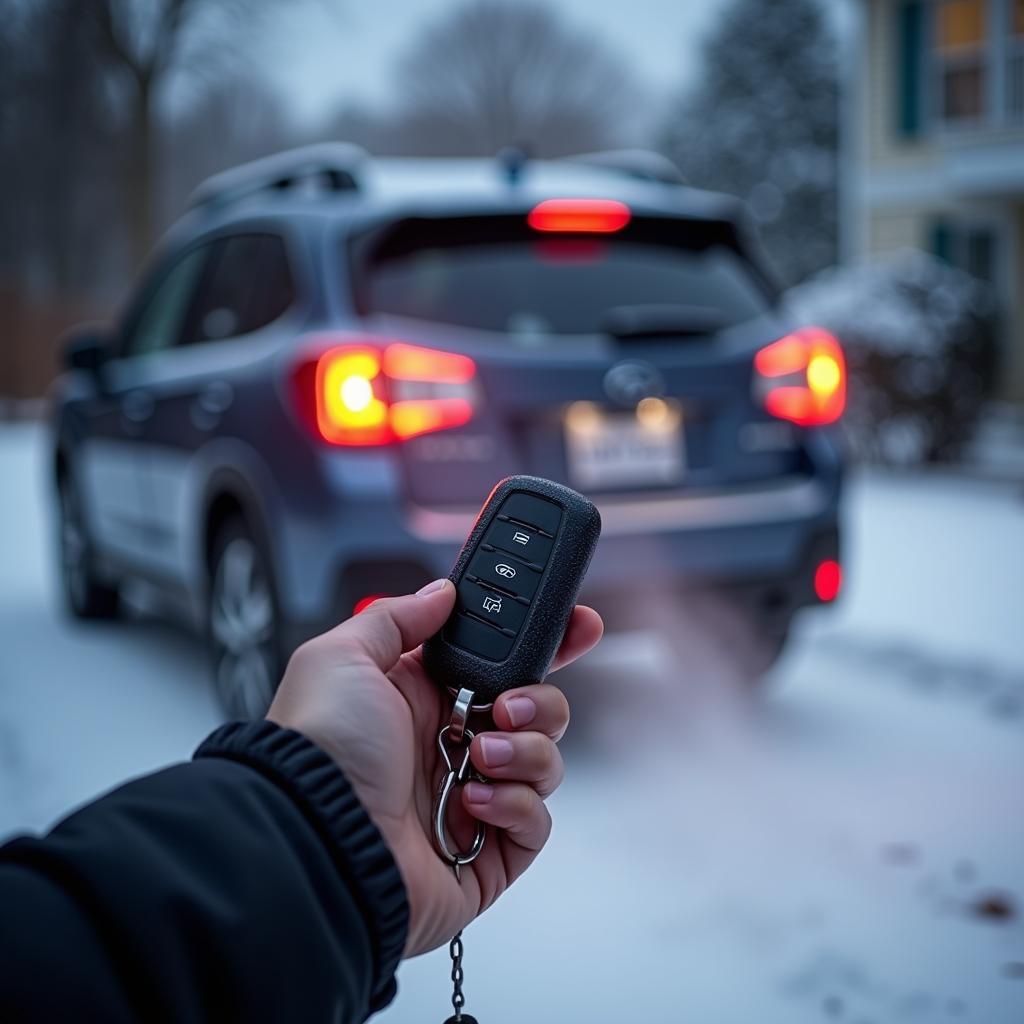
<point>333,164</point>
<point>642,164</point>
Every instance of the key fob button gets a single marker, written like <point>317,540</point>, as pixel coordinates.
<point>520,540</point>
<point>534,511</point>
<point>530,545</point>
<point>479,638</point>
<point>499,609</point>
<point>508,573</point>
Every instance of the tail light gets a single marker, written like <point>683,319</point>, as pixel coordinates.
<point>371,393</point>
<point>364,602</point>
<point>802,378</point>
<point>828,579</point>
<point>588,216</point>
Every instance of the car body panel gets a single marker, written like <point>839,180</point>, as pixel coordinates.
<point>219,420</point>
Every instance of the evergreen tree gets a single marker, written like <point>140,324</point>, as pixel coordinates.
<point>761,122</point>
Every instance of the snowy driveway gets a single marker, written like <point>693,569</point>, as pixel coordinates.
<point>850,848</point>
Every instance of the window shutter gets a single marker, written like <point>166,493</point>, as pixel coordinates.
<point>910,59</point>
<point>942,240</point>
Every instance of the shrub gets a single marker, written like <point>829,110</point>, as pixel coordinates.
<point>919,337</point>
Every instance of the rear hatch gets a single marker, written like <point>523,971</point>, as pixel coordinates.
<point>617,360</point>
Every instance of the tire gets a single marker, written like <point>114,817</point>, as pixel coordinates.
<point>86,596</point>
<point>243,623</point>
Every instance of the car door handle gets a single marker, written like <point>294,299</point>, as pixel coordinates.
<point>137,406</point>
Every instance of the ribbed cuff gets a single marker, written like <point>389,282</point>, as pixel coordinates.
<point>321,790</point>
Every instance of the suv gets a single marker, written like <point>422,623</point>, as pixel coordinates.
<point>332,359</point>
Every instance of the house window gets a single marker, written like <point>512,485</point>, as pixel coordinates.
<point>1015,61</point>
<point>961,53</point>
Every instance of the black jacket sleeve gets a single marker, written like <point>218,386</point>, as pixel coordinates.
<point>248,885</point>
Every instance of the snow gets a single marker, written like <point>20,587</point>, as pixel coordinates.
<point>906,302</point>
<point>82,706</point>
<point>809,856</point>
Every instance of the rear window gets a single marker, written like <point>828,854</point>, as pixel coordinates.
<point>496,274</point>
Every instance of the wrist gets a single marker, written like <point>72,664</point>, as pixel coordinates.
<point>319,787</point>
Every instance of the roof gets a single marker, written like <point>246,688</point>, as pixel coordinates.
<point>340,180</point>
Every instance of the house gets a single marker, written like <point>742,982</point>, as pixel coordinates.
<point>935,145</point>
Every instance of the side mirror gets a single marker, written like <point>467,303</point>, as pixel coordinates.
<point>88,349</point>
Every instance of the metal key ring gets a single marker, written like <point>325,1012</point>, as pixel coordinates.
<point>459,735</point>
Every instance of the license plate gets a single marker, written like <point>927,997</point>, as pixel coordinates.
<point>624,450</point>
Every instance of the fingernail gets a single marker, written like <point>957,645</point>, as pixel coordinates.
<point>479,792</point>
<point>521,711</point>
<point>496,751</point>
<point>431,588</point>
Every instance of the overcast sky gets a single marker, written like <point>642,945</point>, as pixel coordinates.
<point>322,58</point>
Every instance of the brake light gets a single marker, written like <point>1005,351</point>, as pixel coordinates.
<point>370,394</point>
<point>802,378</point>
<point>587,216</point>
<point>412,363</point>
<point>828,579</point>
<point>351,406</point>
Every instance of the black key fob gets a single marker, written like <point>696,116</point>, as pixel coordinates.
<point>517,579</point>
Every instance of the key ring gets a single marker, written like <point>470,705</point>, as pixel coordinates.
<point>457,735</point>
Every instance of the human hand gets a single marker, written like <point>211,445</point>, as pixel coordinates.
<point>360,692</point>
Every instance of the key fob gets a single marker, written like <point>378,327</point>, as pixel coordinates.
<point>517,579</point>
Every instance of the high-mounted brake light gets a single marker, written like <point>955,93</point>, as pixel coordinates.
<point>369,394</point>
<point>802,378</point>
<point>585,216</point>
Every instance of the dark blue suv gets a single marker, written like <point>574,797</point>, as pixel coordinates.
<point>332,359</point>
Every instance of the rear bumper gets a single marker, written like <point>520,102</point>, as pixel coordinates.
<point>785,500</point>
<point>754,538</point>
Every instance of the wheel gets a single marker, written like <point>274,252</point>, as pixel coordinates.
<point>243,624</point>
<point>85,595</point>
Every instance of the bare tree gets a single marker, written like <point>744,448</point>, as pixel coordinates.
<point>110,113</point>
<point>500,72</point>
<point>143,46</point>
<point>238,118</point>
<point>56,146</point>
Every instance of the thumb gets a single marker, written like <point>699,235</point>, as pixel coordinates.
<point>393,625</point>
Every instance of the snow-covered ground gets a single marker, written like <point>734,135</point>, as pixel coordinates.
<point>850,848</point>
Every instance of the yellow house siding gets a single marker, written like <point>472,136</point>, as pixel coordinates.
<point>885,147</point>
<point>964,175</point>
<point>891,230</point>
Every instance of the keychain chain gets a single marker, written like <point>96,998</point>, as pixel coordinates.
<point>453,737</point>
<point>455,952</point>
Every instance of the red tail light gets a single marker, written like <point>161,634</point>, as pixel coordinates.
<point>364,602</point>
<point>368,393</point>
<point>802,378</point>
<point>828,579</point>
<point>589,216</point>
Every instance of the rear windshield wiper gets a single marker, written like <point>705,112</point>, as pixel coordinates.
<point>658,320</point>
